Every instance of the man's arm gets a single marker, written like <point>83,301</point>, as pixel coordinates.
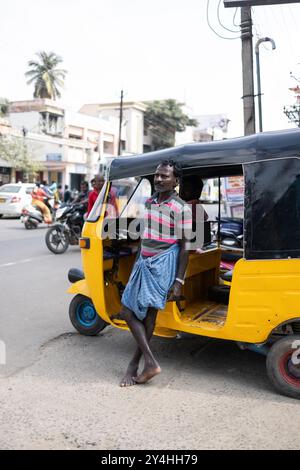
<point>183,257</point>
<point>184,230</point>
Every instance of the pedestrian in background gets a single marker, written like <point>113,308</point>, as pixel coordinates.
<point>67,194</point>
<point>97,184</point>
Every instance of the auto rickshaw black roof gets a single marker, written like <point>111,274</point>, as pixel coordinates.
<point>270,163</point>
<point>217,158</point>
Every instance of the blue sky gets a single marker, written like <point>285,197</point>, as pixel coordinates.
<point>153,49</point>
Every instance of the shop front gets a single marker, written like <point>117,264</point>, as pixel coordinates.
<point>5,175</point>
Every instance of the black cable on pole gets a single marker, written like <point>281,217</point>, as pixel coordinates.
<point>207,19</point>
<point>236,10</point>
<point>220,22</point>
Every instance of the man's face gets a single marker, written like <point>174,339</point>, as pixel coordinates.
<point>83,187</point>
<point>99,182</point>
<point>164,179</point>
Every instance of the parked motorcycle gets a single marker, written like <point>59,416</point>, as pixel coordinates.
<point>67,231</point>
<point>231,240</point>
<point>231,232</point>
<point>32,216</point>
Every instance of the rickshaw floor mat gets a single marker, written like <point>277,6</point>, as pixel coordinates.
<point>205,312</point>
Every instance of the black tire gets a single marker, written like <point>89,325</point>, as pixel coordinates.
<point>57,239</point>
<point>1,215</point>
<point>84,317</point>
<point>29,225</point>
<point>282,369</point>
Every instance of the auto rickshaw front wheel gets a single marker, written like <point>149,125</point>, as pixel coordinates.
<point>283,365</point>
<point>84,316</point>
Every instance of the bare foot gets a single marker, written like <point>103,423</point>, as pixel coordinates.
<point>147,374</point>
<point>128,379</point>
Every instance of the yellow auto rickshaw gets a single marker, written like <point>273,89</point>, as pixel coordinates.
<point>259,305</point>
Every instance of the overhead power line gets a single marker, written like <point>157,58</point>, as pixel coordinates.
<point>213,30</point>
<point>233,21</point>
<point>220,22</point>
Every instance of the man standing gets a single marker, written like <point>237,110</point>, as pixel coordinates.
<point>158,274</point>
<point>97,184</point>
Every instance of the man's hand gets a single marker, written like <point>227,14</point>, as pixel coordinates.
<point>175,292</point>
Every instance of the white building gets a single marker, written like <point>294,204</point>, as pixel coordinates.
<point>69,145</point>
<point>134,138</point>
<point>132,133</point>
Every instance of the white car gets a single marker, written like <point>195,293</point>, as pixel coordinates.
<point>13,197</point>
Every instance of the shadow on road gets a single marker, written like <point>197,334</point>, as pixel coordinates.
<point>198,364</point>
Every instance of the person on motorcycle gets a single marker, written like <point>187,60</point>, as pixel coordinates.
<point>83,195</point>
<point>39,195</point>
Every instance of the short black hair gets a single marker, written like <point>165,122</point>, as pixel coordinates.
<point>195,182</point>
<point>177,170</point>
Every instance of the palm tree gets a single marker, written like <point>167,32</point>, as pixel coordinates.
<point>46,77</point>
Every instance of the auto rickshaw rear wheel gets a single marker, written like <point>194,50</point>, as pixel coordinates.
<point>283,365</point>
<point>84,316</point>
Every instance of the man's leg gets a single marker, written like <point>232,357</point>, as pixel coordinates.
<point>138,330</point>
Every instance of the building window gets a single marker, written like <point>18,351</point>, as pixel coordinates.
<point>50,123</point>
<point>108,147</point>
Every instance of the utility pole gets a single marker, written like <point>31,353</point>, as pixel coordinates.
<point>247,65</point>
<point>247,55</point>
<point>120,122</point>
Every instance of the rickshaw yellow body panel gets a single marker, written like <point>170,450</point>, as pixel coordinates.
<point>79,287</point>
<point>264,294</point>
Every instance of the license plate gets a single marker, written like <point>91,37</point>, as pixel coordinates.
<point>2,200</point>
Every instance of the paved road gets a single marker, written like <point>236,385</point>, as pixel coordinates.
<point>34,303</point>
<point>59,390</point>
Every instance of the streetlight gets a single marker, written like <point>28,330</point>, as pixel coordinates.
<point>258,75</point>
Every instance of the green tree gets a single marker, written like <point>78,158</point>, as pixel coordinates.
<point>16,152</point>
<point>4,107</point>
<point>45,75</point>
<point>163,119</point>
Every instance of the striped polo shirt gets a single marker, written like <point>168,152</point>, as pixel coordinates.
<point>164,224</point>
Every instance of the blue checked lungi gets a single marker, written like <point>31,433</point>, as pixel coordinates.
<point>150,281</point>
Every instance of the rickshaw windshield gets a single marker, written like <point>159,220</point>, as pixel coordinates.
<point>96,210</point>
<point>119,198</point>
